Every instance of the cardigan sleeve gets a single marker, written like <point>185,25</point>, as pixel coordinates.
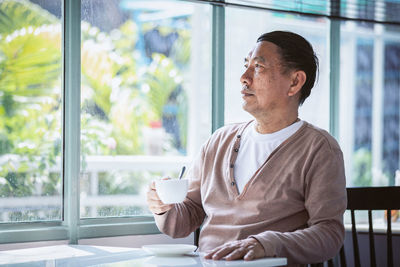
<point>187,216</point>
<point>325,202</point>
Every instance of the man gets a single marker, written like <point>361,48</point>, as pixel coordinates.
<point>272,187</point>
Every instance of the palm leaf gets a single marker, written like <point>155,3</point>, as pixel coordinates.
<point>17,14</point>
<point>161,83</point>
<point>30,61</point>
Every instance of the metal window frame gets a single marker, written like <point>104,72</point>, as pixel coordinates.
<point>84,228</point>
<point>218,67</point>
<point>71,115</point>
<point>73,228</point>
<point>334,71</point>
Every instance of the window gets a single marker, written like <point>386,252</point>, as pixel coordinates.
<point>369,101</point>
<point>146,89</point>
<point>145,111</point>
<point>369,107</point>
<point>30,111</point>
<point>145,99</point>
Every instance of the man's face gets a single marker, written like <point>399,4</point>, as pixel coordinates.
<point>265,85</point>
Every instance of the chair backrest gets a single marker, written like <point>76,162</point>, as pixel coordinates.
<point>372,198</point>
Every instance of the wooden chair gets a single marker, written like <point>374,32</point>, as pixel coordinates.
<point>364,198</point>
<point>369,198</point>
<point>373,198</point>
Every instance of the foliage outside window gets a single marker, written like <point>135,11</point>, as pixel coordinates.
<point>30,112</point>
<point>134,104</point>
<point>137,97</point>
<point>136,85</point>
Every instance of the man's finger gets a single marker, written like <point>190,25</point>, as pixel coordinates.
<point>153,196</point>
<point>156,203</point>
<point>223,252</point>
<point>247,249</point>
<point>225,247</point>
<point>236,254</point>
<point>250,255</point>
<point>212,252</point>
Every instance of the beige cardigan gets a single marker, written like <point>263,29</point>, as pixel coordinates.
<point>293,205</point>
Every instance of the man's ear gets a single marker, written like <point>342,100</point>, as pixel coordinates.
<point>298,79</point>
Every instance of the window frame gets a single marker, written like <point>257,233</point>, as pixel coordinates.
<point>72,227</point>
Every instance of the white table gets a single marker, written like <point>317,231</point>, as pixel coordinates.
<point>81,255</point>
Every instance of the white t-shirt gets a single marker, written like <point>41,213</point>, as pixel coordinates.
<point>255,148</point>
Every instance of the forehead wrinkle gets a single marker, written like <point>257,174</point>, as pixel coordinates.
<point>259,58</point>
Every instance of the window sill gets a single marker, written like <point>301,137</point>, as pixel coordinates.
<point>31,232</point>
<point>107,227</point>
<point>88,228</point>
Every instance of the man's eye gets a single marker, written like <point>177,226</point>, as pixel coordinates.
<point>257,65</point>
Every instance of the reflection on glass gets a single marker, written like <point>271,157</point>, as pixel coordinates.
<point>145,98</point>
<point>241,36</point>
<point>391,112</point>
<point>369,101</point>
<point>363,113</point>
<point>30,111</point>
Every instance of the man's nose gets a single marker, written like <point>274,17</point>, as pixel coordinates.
<point>246,77</point>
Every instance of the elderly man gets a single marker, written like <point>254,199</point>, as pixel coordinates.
<point>271,187</point>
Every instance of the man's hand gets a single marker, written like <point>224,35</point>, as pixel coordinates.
<point>247,249</point>
<point>154,202</point>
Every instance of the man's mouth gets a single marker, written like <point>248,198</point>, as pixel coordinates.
<point>246,93</point>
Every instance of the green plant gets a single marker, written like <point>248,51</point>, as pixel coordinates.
<point>21,14</point>
<point>119,98</point>
<point>362,167</point>
<point>30,64</point>
<point>160,80</point>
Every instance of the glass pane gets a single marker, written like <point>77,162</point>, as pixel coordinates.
<point>30,111</point>
<point>391,110</point>
<point>316,108</point>
<point>145,98</point>
<point>369,99</point>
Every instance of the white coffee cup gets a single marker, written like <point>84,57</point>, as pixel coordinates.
<point>172,190</point>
